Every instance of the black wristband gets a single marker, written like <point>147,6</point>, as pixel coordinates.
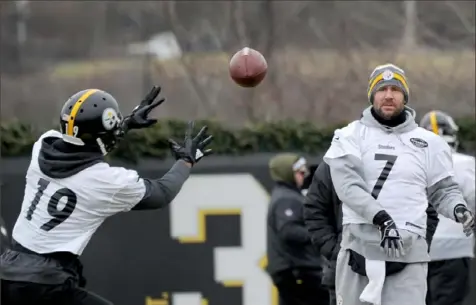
<point>381,217</point>
<point>124,126</point>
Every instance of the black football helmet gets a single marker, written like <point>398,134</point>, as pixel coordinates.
<point>91,117</point>
<point>442,124</point>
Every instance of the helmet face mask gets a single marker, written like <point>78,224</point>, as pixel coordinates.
<point>443,125</point>
<point>91,118</point>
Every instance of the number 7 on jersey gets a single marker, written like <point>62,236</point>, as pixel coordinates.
<point>385,172</point>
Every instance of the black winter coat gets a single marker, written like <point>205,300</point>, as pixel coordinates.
<point>4,239</point>
<point>289,245</point>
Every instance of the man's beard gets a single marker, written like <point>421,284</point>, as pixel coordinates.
<point>385,116</point>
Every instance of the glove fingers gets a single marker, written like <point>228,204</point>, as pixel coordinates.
<point>147,98</point>
<point>150,97</point>
<point>386,248</point>
<point>205,142</point>
<point>149,108</point>
<point>396,249</point>
<point>150,122</point>
<point>468,222</point>
<point>468,228</point>
<point>154,104</point>
<point>201,133</point>
<point>467,218</point>
<point>402,250</point>
<point>207,152</point>
<point>172,143</point>
<point>391,249</point>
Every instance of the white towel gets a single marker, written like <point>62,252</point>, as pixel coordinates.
<point>373,291</point>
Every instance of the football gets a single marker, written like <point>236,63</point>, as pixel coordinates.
<point>248,67</point>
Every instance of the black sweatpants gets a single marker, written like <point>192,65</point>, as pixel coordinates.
<point>448,281</point>
<point>300,287</point>
<point>23,293</point>
<point>60,275</point>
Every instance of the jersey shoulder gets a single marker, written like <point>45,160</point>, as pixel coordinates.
<point>464,161</point>
<point>123,175</point>
<point>121,187</point>
<point>349,131</point>
<point>48,134</point>
<point>100,174</point>
<point>345,142</point>
<point>105,174</point>
<point>124,187</point>
<point>434,141</point>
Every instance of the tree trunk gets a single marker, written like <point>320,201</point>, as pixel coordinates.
<point>409,39</point>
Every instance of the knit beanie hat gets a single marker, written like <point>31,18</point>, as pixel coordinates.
<point>387,74</point>
<point>283,166</point>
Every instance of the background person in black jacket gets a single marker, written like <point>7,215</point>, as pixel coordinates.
<point>4,240</point>
<point>293,264</point>
<point>323,218</point>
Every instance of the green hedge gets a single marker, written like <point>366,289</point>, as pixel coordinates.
<point>17,138</point>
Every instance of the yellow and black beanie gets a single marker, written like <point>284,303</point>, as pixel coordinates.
<point>387,74</point>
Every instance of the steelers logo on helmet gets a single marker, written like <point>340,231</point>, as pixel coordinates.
<point>387,75</point>
<point>110,118</point>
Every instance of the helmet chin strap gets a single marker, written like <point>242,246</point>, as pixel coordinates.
<point>102,147</point>
<point>454,146</point>
<point>452,142</point>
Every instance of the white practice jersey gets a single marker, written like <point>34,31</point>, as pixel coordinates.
<point>449,241</point>
<point>464,167</point>
<point>63,214</point>
<point>398,169</point>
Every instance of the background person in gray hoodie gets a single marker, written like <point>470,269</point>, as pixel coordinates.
<point>385,170</point>
<point>452,251</point>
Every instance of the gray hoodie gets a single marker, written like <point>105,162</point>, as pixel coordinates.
<point>347,175</point>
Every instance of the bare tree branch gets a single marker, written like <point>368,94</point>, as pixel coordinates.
<point>239,20</point>
<point>177,28</point>
<point>319,55</point>
<point>409,40</point>
<point>248,101</point>
<point>467,25</point>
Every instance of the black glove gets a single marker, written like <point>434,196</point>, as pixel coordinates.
<point>390,240</point>
<point>138,118</point>
<point>464,216</point>
<point>193,149</point>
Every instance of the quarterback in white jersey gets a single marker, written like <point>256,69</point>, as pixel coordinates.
<point>386,170</point>
<point>451,250</point>
<point>70,190</point>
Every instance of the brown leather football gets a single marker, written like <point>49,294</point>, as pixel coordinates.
<point>248,67</point>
